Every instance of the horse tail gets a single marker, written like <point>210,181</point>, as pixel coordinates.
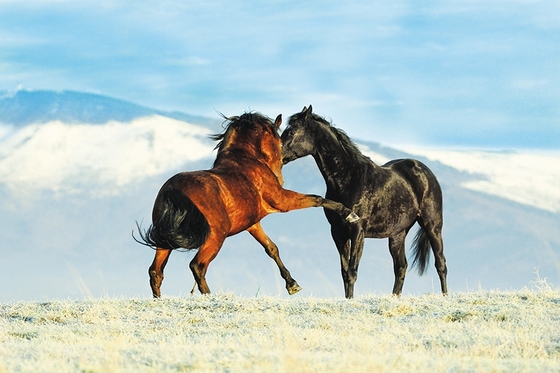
<point>180,224</point>
<point>421,249</point>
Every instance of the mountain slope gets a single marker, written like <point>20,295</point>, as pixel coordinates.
<point>71,193</point>
<point>99,159</point>
<point>22,107</point>
<point>531,178</point>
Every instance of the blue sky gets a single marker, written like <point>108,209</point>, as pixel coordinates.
<point>443,73</point>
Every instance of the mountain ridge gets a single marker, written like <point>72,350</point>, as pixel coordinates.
<point>23,107</point>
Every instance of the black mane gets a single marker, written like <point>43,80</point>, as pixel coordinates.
<point>348,146</point>
<point>247,122</point>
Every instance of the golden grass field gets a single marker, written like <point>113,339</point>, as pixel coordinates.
<point>463,332</point>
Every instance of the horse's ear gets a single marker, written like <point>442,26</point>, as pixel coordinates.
<point>304,109</point>
<point>278,121</point>
<point>308,112</point>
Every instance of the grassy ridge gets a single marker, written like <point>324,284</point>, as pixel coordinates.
<point>478,332</point>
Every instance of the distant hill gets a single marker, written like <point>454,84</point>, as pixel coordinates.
<point>23,107</point>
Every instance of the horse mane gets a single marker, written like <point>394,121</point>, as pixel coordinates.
<point>249,121</point>
<point>347,145</point>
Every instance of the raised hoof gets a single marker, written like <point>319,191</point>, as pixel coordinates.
<point>293,289</point>
<point>352,218</point>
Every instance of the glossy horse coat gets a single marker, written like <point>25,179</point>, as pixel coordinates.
<point>389,199</point>
<point>198,210</point>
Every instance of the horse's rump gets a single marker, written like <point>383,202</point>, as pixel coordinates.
<point>178,223</point>
<point>418,176</point>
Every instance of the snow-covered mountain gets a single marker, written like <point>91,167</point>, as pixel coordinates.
<point>71,191</point>
<point>528,177</point>
<point>100,159</point>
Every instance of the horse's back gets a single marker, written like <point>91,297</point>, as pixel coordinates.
<point>192,183</point>
<point>419,177</point>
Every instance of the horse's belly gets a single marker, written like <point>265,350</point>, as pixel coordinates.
<point>389,221</point>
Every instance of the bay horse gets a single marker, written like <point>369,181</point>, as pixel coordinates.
<point>389,199</point>
<point>199,209</point>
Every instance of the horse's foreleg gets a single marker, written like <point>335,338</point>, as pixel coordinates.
<point>272,250</point>
<point>289,200</point>
<point>199,264</point>
<point>156,270</point>
<point>356,250</point>
<point>343,246</point>
<point>396,247</point>
<point>347,214</point>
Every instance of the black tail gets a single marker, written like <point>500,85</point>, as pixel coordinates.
<point>421,246</point>
<point>180,224</point>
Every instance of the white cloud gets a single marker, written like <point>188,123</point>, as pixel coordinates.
<point>188,61</point>
<point>15,39</point>
<point>5,131</point>
<point>526,177</point>
<point>528,84</point>
<point>438,60</point>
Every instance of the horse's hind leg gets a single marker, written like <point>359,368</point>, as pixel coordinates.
<point>432,224</point>
<point>199,264</point>
<point>396,247</point>
<point>272,250</point>
<point>156,270</point>
<point>436,241</point>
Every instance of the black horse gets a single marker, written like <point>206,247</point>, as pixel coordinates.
<point>389,199</point>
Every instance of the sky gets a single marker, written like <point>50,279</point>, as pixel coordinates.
<point>482,74</point>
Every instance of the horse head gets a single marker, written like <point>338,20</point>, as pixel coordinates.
<point>271,148</point>
<point>296,139</point>
<point>256,135</point>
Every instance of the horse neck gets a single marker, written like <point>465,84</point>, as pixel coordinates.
<point>335,163</point>
<point>239,151</point>
<point>331,158</point>
<point>233,152</point>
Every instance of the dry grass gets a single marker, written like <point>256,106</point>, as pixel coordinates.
<point>464,332</point>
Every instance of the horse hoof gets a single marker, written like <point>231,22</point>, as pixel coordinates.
<point>352,218</point>
<point>294,289</point>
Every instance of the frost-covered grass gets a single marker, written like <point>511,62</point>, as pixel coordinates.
<point>464,332</point>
